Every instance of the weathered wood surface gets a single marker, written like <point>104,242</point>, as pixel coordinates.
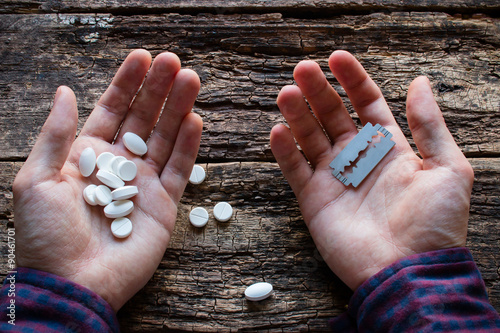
<point>295,7</point>
<point>243,61</point>
<point>200,282</point>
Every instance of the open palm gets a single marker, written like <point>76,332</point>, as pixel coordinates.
<point>406,205</point>
<point>57,232</point>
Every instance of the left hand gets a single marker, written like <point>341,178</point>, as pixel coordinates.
<point>57,231</point>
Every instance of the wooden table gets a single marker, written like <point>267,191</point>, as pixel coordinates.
<point>244,52</point>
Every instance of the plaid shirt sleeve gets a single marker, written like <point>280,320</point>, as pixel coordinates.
<point>439,291</point>
<point>36,301</point>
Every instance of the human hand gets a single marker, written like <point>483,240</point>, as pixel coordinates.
<point>57,231</point>
<point>406,205</point>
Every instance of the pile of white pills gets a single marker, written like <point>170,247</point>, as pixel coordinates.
<point>199,215</point>
<point>113,172</point>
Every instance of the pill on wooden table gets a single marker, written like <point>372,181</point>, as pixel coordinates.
<point>119,208</point>
<point>89,194</point>
<point>135,144</point>
<point>121,227</point>
<point>87,162</point>
<point>125,192</point>
<point>110,179</point>
<point>198,217</point>
<point>258,291</point>
<point>114,163</point>
<point>102,195</point>
<point>197,175</point>
<point>223,211</point>
<point>126,170</point>
<point>104,161</point>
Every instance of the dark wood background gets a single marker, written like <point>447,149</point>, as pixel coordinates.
<point>244,52</point>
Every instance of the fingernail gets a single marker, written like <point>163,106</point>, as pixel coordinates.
<point>58,94</point>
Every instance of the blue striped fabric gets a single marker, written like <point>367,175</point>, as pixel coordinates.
<point>37,301</point>
<point>439,291</point>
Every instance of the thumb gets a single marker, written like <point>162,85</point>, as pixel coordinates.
<point>56,137</point>
<point>434,142</point>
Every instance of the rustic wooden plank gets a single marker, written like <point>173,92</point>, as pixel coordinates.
<point>298,7</point>
<point>200,281</point>
<point>243,61</point>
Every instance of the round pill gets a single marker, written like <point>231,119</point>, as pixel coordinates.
<point>104,161</point>
<point>102,195</point>
<point>89,194</point>
<point>134,143</point>
<point>198,217</point>
<point>197,175</point>
<point>127,170</point>
<point>121,227</point>
<point>119,208</point>
<point>223,211</point>
<point>258,291</point>
<point>87,162</point>
<point>109,179</point>
<point>114,163</point>
<point>125,192</point>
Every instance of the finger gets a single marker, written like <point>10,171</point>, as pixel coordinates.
<point>324,100</point>
<point>56,137</point>
<point>114,104</point>
<point>427,125</point>
<point>292,163</point>
<point>175,175</point>
<point>364,94</point>
<point>180,103</point>
<point>305,128</point>
<point>149,102</point>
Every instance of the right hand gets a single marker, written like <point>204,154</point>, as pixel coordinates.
<point>406,205</point>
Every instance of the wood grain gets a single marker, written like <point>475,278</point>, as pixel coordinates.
<point>243,61</point>
<point>244,52</point>
<point>200,282</point>
<point>296,7</point>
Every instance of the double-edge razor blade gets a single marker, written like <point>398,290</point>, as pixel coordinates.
<point>365,164</point>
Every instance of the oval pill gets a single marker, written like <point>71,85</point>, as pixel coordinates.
<point>121,227</point>
<point>127,170</point>
<point>102,195</point>
<point>87,162</point>
<point>104,161</point>
<point>258,291</point>
<point>109,179</point>
<point>135,144</point>
<point>125,192</point>
<point>198,217</point>
<point>197,175</point>
<point>223,211</point>
<point>89,194</point>
<point>119,208</point>
<point>114,163</point>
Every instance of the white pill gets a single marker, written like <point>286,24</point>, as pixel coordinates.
<point>134,143</point>
<point>110,179</point>
<point>258,291</point>
<point>197,175</point>
<point>121,227</point>
<point>87,162</point>
<point>104,161</point>
<point>114,163</point>
<point>119,208</point>
<point>89,194</point>
<point>223,211</point>
<point>198,217</point>
<point>102,195</point>
<point>126,170</point>
<point>125,192</point>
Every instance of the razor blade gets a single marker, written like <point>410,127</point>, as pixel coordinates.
<point>365,164</point>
